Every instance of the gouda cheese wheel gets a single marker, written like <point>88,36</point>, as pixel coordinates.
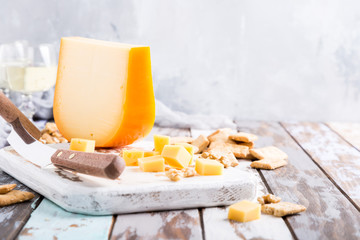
<point>104,91</point>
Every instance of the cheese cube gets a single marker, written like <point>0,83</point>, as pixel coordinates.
<point>131,157</point>
<point>176,156</point>
<point>152,164</point>
<point>160,141</point>
<point>208,167</point>
<point>82,145</point>
<point>190,148</point>
<point>244,211</point>
<point>151,153</point>
<point>104,91</point>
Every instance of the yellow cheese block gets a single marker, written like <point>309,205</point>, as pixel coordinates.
<point>104,91</point>
<point>152,164</point>
<point>82,145</point>
<point>151,153</point>
<point>244,211</point>
<point>160,141</point>
<point>208,167</point>
<point>190,148</point>
<point>176,156</point>
<point>131,157</point>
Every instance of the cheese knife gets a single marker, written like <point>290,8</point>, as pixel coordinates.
<point>96,164</point>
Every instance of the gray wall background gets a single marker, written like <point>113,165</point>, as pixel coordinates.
<point>247,59</point>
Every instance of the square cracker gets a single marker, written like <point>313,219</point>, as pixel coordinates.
<point>268,164</point>
<point>201,142</point>
<point>282,209</point>
<point>239,151</point>
<point>6,188</point>
<point>220,135</point>
<point>243,137</point>
<point>15,196</point>
<point>268,153</point>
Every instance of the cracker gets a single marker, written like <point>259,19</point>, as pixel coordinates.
<point>268,164</point>
<point>269,153</point>
<point>221,135</point>
<point>247,144</point>
<point>239,151</point>
<point>174,140</point>
<point>201,142</point>
<point>243,137</point>
<point>15,196</point>
<point>282,209</point>
<point>6,188</point>
<point>268,199</point>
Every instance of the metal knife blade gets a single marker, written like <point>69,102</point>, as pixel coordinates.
<point>35,152</point>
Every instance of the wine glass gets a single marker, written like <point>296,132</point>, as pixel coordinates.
<point>5,51</point>
<point>33,69</point>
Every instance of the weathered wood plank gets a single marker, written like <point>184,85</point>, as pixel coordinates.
<point>13,217</point>
<point>217,226</point>
<point>49,221</point>
<point>158,225</point>
<point>349,131</point>
<point>183,224</point>
<point>329,214</point>
<point>336,157</point>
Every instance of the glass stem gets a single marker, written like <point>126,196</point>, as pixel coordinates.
<point>27,106</point>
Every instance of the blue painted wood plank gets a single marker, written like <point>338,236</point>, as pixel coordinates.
<point>49,221</point>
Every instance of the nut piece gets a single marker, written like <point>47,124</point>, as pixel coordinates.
<point>6,188</point>
<point>243,137</point>
<point>282,209</point>
<point>268,199</point>
<point>188,172</point>
<point>224,156</point>
<point>269,153</point>
<point>201,143</point>
<point>50,134</point>
<point>174,174</point>
<point>268,164</point>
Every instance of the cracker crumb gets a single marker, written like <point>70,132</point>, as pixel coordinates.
<point>269,198</point>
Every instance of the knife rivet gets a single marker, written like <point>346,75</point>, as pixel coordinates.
<point>59,154</point>
<point>71,156</point>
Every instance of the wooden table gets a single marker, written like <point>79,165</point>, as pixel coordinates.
<point>323,174</point>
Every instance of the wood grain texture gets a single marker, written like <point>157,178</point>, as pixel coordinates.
<point>339,159</point>
<point>183,224</point>
<point>158,225</point>
<point>49,221</point>
<point>217,226</point>
<point>329,214</point>
<point>349,131</point>
<point>13,217</point>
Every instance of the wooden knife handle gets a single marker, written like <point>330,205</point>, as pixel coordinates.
<point>95,164</point>
<point>10,113</point>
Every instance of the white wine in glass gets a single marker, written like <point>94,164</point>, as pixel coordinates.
<point>35,72</point>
